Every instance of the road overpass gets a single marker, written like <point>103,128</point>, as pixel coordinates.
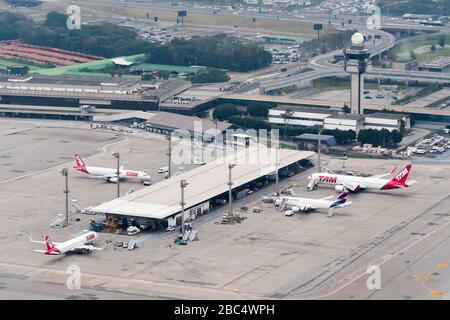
<point>324,68</point>
<point>367,107</point>
<point>399,75</point>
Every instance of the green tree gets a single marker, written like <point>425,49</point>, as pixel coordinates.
<point>164,74</point>
<point>259,109</point>
<point>346,109</point>
<point>218,51</point>
<point>210,75</point>
<point>287,116</point>
<point>55,20</point>
<point>224,111</point>
<point>442,40</point>
<point>384,137</point>
<point>433,47</point>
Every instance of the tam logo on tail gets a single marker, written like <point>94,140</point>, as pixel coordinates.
<point>49,243</point>
<point>79,164</point>
<point>399,181</point>
<point>403,175</point>
<point>78,161</point>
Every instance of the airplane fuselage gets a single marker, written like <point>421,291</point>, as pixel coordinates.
<point>109,172</point>
<point>303,203</point>
<point>73,244</point>
<point>358,182</point>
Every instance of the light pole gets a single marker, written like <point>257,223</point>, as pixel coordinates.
<point>117,156</point>
<point>215,141</point>
<point>169,138</point>
<point>277,177</point>
<point>344,158</point>
<point>318,151</point>
<point>230,184</point>
<point>66,191</point>
<point>183,184</point>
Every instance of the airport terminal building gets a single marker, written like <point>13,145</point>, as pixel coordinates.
<point>75,91</point>
<point>158,206</point>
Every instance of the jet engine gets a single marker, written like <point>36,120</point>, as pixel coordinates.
<point>339,188</point>
<point>112,179</point>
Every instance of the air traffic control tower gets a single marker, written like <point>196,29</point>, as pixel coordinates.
<point>356,58</point>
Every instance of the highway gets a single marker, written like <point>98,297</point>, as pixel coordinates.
<point>321,65</point>
<point>324,68</point>
<point>306,15</point>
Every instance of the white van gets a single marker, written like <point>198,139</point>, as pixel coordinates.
<point>163,170</point>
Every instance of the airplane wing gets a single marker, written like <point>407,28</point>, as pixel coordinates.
<point>333,196</point>
<point>385,174</point>
<point>40,251</point>
<point>87,247</point>
<point>350,186</point>
<point>103,177</point>
<point>408,183</point>
<point>43,242</point>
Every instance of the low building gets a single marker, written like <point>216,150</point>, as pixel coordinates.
<point>344,122</point>
<point>299,116</point>
<point>308,141</point>
<point>158,206</point>
<point>414,16</point>
<point>389,121</point>
<point>167,122</point>
<point>438,64</point>
<point>17,70</point>
<point>75,90</point>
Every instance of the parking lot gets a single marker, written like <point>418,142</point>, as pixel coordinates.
<point>268,255</point>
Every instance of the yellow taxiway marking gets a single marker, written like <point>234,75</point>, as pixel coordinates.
<point>423,279</point>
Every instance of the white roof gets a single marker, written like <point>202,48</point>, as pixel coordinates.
<point>123,116</point>
<point>162,200</point>
<point>121,62</point>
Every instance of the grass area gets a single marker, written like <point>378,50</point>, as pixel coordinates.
<point>8,62</point>
<point>78,68</point>
<point>328,84</point>
<point>287,146</point>
<point>419,94</point>
<point>282,145</point>
<point>402,50</point>
<point>301,30</point>
<point>165,67</point>
<point>337,153</point>
<point>433,54</point>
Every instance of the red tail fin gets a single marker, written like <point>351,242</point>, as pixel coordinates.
<point>78,162</point>
<point>402,175</point>
<point>49,243</point>
<point>393,170</point>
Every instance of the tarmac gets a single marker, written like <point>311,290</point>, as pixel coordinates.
<point>268,256</point>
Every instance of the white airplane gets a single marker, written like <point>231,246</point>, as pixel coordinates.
<point>110,174</point>
<point>307,205</point>
<point>355,183</point>
<point>81,243</point>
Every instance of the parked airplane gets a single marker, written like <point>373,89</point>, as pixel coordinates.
<point>306,205</point>
<point>110,174</point>
<point>81,243</point>
<point>355,183</point>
